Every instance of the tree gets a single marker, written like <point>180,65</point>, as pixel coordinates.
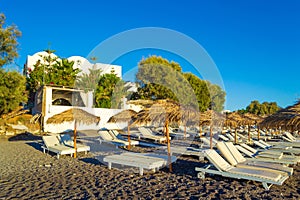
<point>266,108</point>
<point>89,81</point>
<point>12,91</point>
<point>62,73</point>
<point>200,89</point>
<point>52,70</point>
<point>8,42</point>
<point>160,79</point>
<point>105,90</point>
<point>217,97</point>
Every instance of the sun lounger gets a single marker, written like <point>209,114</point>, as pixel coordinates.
<point>206,141</point>
<point>223,168</point>
<point>189,151</point>
<point>235,158</point>
<point>117,135</point>
<point>67,140</point>
<point>223,137</point>
<point>260,156</point>
<point>142,161</point>
<point>291,137</point>
<point>277,148</point>
<point>108,136</point>
<point>52,144</point>
<point>146,133</point>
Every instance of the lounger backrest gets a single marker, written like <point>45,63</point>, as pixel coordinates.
<point>114,133</point>
<point>290,136</point>
<point>264,143</point>
<point>230,136</point>
<point>223,137</point>
<point>217,160</point>
<point>235,152</point>
<point>245,151</point>
<point>257,143</point>
<point>50,141</point>
<point>105,135</point>
<point>144,131</point>
<point>286,139</point>
<point>249,148</point>
<point>226,153</point>
<point>205,140</point>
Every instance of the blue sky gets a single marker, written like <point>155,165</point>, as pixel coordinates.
<point>254,44</point>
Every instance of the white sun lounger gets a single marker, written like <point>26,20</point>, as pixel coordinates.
<point>110,137</point>
<point>206,141</point>
<point>52,144</point>
<point>260,156</point>
<point>67,140</point>
<point>117,135</point>
<point>235,158</point>
<point>142,161</point>
<point>223,137</point>
<point>277,148</point>
<point>291,137</point>
<point>189,151</point>
<point>146,133</point>
<point>223,168</point>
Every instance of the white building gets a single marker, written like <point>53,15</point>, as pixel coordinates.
<point>79,62</point>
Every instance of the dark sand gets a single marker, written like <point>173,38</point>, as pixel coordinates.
<point>27,173</point>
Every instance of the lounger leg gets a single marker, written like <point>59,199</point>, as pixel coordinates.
<point>266,186</point>
<point>141,171</point>
<point>201,175</point>
<point>109,165</point>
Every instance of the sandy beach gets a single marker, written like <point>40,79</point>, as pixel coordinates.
<point>27,173</point>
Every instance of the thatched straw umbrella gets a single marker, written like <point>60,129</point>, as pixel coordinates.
<point>211,118</point>
<point>124,116</point>
<point>294,122</point>
<point>75,115</point>
<point>287,118</point>
<point>234,120</point>
<point>164,112</point>
<point>252,119</point>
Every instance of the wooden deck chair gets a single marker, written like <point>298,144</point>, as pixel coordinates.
<point>52,144</point>
<point>223,168</point>
<point>235,158</point>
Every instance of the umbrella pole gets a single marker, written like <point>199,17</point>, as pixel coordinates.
<point>211,135</point>
<point>75,127</point>
<point>200,131</point>
<point>184,131</point>
<point>235,135</point>
<point>128,131</point>
<point>258,133</point>
<point>249,135</point>
<point>168,145</point>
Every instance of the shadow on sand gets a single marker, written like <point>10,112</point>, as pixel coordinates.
<point>25,137</point>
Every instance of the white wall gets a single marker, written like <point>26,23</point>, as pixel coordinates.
<point>103,113</point>
<point>79,62</point>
